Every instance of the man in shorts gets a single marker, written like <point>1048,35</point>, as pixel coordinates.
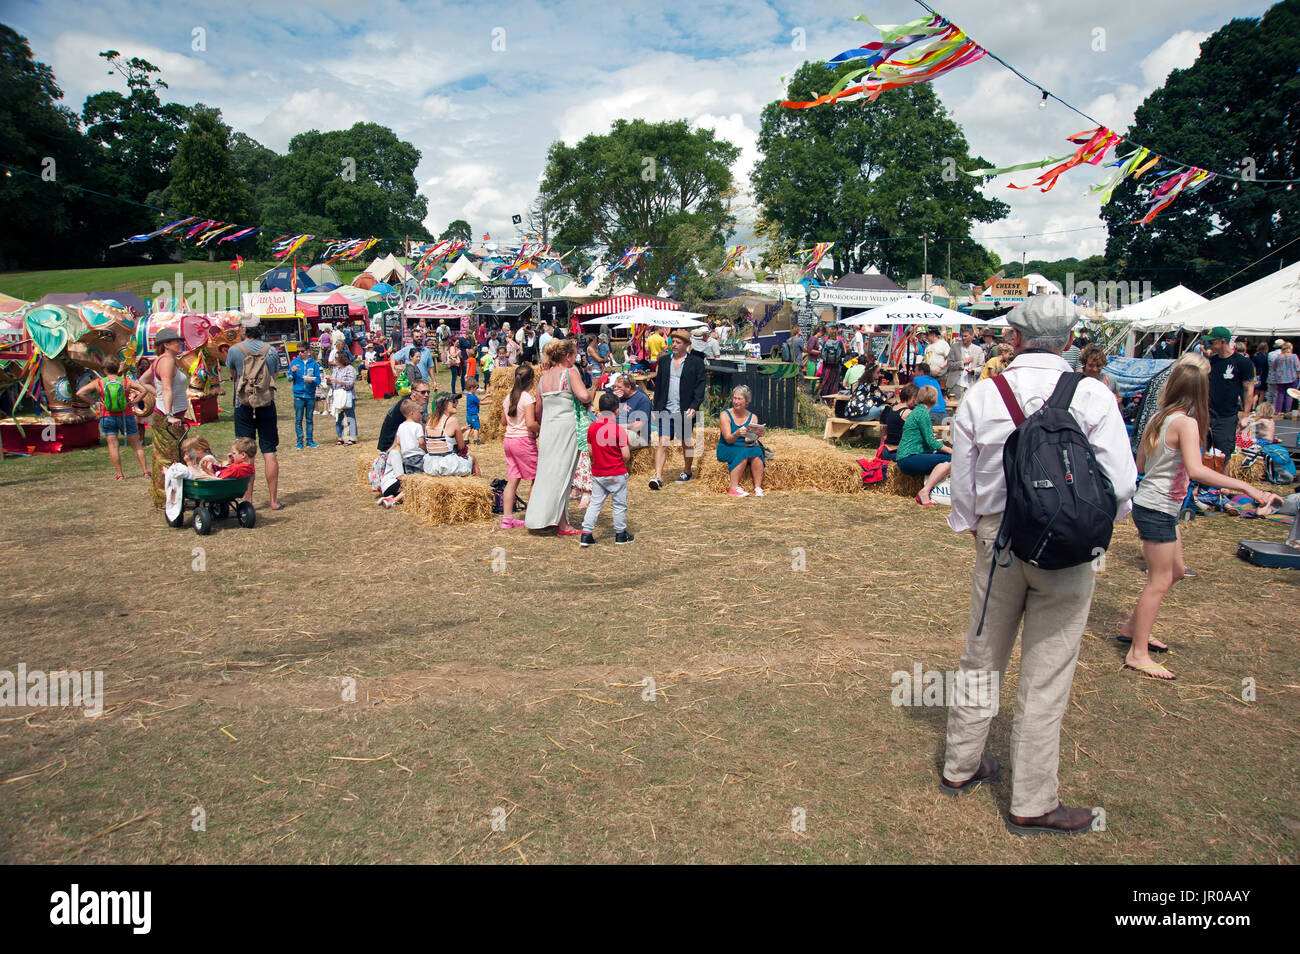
<point>259,422</point>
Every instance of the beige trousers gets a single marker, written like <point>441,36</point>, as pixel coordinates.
<point>1053,605</point>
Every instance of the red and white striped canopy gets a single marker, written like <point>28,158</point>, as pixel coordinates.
<point>612,306</point>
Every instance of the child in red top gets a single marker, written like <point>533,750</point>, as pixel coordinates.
<point>609,457</point>
<point>240,461</point>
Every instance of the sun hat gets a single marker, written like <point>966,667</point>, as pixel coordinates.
<point>166,335</point>
<point>682,334</point>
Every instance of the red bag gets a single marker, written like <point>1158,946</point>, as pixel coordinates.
<point>873,470</point>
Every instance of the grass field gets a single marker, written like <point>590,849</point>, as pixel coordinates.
<point>138,279</point>
<point>500,676</point>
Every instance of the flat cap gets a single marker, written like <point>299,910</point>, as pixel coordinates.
<point>1044,316</point>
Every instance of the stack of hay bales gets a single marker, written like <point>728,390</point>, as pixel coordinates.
<point>797,462</point>
<point>897,483</point>
<point>499,387</point>
<point>643,459</point>
<point>1256,473</point>
<point>438,500</point>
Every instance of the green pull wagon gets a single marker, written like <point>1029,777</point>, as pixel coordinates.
<point>212,499</point>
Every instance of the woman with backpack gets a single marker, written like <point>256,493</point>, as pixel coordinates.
<point>116,416</point>
<point>832,349</point>
<point>1169,456</point>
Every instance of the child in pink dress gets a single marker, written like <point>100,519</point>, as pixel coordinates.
<point>519,414</point>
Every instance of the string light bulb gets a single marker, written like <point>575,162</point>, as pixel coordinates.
<point>1042,103</point>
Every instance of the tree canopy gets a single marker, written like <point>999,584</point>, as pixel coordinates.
<point>637,185</point>
<point>873,177</point>
<point>1236,109</point>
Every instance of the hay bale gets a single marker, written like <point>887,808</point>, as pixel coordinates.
<point>445,500</point>
<point>1256,473</point>
<point>500,384</point>
<point>897,483</point>
<point>797,462</point>
<point>364,459</point>
<point>643,459</point>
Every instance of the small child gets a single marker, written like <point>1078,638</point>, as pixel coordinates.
<point>196,454</point>
<point>609,457</point>
<point>471,409</point>
<point>240,461</point>
<point>471,366</point>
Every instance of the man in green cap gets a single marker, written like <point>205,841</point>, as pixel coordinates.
<point>1232,386</point>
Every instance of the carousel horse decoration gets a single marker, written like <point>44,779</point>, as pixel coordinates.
<point>54,349</point>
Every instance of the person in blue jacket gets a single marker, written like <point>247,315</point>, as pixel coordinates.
<point>305,374</point>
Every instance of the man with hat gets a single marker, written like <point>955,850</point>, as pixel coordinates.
<point>259,422</point>
<point>1232,387</point>
<point>1052,604</point>
<point>679,392</point>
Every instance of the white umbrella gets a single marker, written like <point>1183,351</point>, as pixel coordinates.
<point>645,315</point>
<point>603,320</point>
<point>909,311</point>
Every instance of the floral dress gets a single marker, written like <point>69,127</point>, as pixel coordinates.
<point>582,417</point>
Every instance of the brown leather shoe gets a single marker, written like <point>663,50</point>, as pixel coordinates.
<point>988,771</point>
<point>1059,821</point>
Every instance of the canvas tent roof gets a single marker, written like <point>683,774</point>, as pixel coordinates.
<point>1156,311</point>
<point>279,279</point>
<point>389,269</point>
<point>322,274</point>
<point>1268,306</point>
<point>461,269</point>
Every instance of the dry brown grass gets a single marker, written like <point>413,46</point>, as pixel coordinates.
<point>498,669</point>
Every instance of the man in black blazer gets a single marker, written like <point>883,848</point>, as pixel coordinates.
<point>679,392</point>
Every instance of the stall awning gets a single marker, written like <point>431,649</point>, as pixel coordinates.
<point>619,303</point>
<point>503,310</point>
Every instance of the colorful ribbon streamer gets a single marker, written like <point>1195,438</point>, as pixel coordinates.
<point>1093,146</point>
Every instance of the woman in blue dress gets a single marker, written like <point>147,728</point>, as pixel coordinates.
<point>734,424</point>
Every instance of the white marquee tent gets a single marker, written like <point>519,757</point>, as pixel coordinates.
<point>462,269</point>
<point>1156,313</point>
<point>389,269</point>
<point>1268,306</point>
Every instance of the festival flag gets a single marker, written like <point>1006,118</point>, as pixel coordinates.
<point>236,236</point>
<point>290,244</point>
<point>629,258</point>
<point>818,252</point>
<point>733,256</point>
<point>159,232</point>
<point>237,264</point>
<point>1093,145</point>
<point>1178,183</point>
<point>915,52</point>
<point>201,227</point>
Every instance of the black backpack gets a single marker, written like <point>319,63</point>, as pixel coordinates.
<point>1060,503</point>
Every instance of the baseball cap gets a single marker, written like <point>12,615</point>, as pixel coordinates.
<point>1218,333</point>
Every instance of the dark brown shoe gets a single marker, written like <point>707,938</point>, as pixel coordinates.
<point>988,771</point>
<point>1059,821</point>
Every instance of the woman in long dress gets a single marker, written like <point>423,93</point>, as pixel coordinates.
<point>170,383</point>
<point>557,443</point>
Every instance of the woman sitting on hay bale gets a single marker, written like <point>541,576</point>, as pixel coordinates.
<point>893,417</point>
<point>919,451</point>
<point>738,444</point>
<point>444,442</point>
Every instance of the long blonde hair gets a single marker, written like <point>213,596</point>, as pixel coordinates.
<point>1186,392</point>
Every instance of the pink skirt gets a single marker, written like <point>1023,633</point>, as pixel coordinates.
<point>521,458</point>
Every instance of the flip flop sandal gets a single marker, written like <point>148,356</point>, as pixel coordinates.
<point>1127,641</point>
<point>1147,670</point>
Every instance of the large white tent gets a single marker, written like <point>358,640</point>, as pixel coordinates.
<point>1268,306</point>
<point>1155,313</point>
<point>910,311</point>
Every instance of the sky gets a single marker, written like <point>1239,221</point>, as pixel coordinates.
<point>483,90</point>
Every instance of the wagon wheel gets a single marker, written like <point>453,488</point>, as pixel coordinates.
<point>247,515</point>
<point>202,520</point>
<point>221,510</point>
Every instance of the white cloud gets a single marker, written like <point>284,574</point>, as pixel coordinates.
<point>1176,53</point>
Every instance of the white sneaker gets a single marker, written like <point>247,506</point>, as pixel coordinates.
<point>758,491</point>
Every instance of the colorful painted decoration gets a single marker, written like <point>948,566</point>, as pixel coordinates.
<point>916,52</point>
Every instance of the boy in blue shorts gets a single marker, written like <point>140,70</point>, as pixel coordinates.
<point>471,408</point>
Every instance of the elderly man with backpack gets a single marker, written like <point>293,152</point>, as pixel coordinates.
<point>253,366</point>
<point>1041,469</point>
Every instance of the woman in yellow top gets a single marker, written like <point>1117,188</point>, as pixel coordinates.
<point>998,362</point>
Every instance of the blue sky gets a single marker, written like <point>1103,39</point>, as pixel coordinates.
<point>483,90</point>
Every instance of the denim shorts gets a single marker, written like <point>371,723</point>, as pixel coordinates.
<point>123,426</point>
<point>1155,526</point>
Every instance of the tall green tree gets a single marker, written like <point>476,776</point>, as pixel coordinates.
<point>873,177</point>
<point>1237,110</point>
<point>136,132</point>
<point>458,230</point>
<point>637,185</point>
<point>353,182</point>
<point>47,222</point>
<point>204,180</point>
